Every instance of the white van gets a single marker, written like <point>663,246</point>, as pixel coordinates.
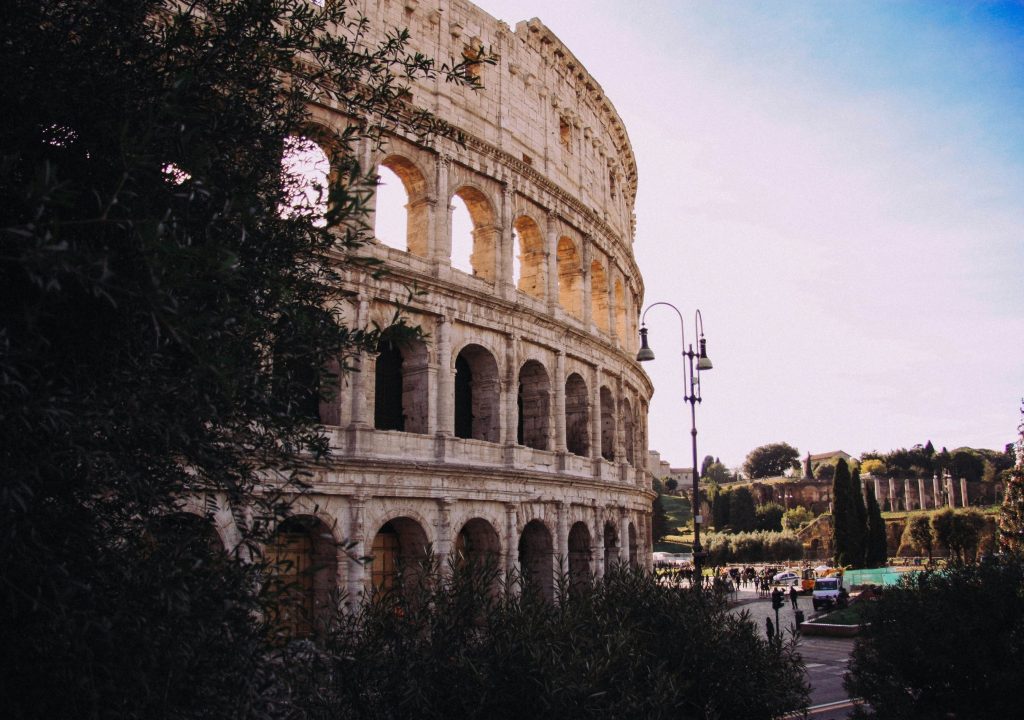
<point>826,591</point>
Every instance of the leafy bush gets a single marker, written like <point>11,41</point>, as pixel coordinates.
<point>624,647</point>
<point>760,546</point>
<point>946,643</point>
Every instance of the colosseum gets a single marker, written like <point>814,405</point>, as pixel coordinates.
<point>517,429</point>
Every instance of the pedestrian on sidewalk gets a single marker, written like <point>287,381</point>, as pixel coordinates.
<point>792,595</point>
<point>769,628</point>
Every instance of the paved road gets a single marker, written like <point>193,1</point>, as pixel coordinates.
<point>825,658</point>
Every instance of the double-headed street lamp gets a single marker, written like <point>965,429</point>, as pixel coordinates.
<point>692,396</point>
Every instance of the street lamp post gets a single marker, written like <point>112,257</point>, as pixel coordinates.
<point>691,380</point>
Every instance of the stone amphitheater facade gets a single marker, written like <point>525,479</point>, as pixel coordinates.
<point>518,428</point>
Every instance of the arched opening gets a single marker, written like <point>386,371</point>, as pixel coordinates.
<point>611,545</point>
<point>531,266</point>
<point>302,558</point>
<point>577,419</point>
<point>607,424</point>
<point>477,543</point>
<point>599,296</point>
<point>620,313</point>
<point>579,555</point>
<point>534,406</point>
<point>476,395</point>
<point>629,433</point>
<point>570,278</point>
<point>633,553</point>
<point>400,400</point>
<point>474,234</point>
<point>536,559</point>
<point>402,210</point>
<point>305,173</point>
<point>399,548</point>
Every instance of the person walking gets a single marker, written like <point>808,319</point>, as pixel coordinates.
<point>769,628</point>
<point>792,595</point>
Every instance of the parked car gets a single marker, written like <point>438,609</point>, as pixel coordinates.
<point>786,577</point>
<point>828,591</point>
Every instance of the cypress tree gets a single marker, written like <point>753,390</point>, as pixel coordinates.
<point>841,514</point>
<point>858,520</point>
<point>877,552</point>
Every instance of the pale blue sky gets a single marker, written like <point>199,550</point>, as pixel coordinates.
<point>839,186</point>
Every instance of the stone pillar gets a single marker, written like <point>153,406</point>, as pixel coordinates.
<point>920,494</point>
<point>511,542</point>
<point>935,491</point>
<point>950,496</point>
<point>441,243</point>
<point>559,383</point>
<point>443,533</point>
<point>613,332</point>
<point>620,427</point>
<point>511,429</point>
<point>906,496</point>
<point>357,536</point>
<point>964,501</point>
<point>552,250</point>
<point>597,548</point>
<point>506,255</point>
<point>878,495</point>
<point>892,495</point>
<point>359,379</point>
<point>562,541</point>
<point>595,417</point>
<point>623,535</point>
<point>445,402</point>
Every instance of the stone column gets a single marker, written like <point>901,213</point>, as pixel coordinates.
<point>443,533</point>
<point>619,445</point>
<point>920,494</point>
<point>441,242</point>
<point>359,408</point>
<point>623,535</point>
<point>935,491</point>
<point>964,502</point>
<point>357,536</point>
<point>588,290</point>
<point>595,417</point>
<point>597,547</point>
<point>892,495</point>
<point>445,379</point>
<point>559,383</point>
<point>950,496</point>
<point>562,541</point>
<point>511,540</point>
<point>906,496</point>
<point>506,255</point>
<point>552,255</point>
<point>511,429</point>
<point>878,494</point>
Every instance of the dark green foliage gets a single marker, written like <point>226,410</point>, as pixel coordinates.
<point>771,460</point>
<point>720,504</point>
<point>742,514</point>
<point>769,517</point>
<point>759,546</point>
<point>967,463</point>
<point>626,647</point>
<point>841,518</point>
<point>917,533</point>
<point>944,644</point>
<point>164,336</point>
<point>659,521</point>
<point>958,531</point>
<point>859,520</point>
<point>876,553</point>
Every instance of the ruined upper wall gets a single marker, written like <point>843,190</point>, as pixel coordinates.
<point>538,103</point>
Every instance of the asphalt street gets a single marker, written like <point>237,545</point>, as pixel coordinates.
<point>825,658</point>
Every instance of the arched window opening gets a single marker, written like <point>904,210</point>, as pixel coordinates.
<point>303,563</point>
<point>474,234</point>
<point>531,264</point>
<point>611,545</point>
<point>607,424</point>
<point>536,559</point>
<point>305,170</point>
<point>398,551</point>
<point>633,555</point>
<point>402,214</point>
<point>579,556</point>
<point>477,544</point>
<point>599,296</point>
<point>387,406</point>
<point>570,278</point>
<point>577,422</point>
<point>629,432</point>
<point>620,313</point>
<point>534,406</point>
<point>476,395</point>
<point>400,400</point>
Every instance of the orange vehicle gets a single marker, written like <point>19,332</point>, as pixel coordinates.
<point>807,578</point>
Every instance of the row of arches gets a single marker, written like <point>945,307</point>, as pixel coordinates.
<point>550,413</point>
<point>308,565</point>
<point>503,241</point>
